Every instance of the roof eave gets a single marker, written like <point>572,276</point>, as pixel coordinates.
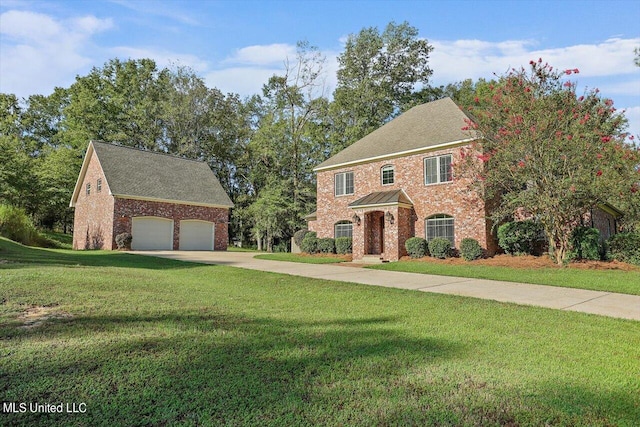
<point>176,202</point>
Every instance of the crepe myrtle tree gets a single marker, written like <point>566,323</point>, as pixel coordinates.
<point>544,151</point>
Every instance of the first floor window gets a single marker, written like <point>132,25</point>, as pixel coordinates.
<point>437,169</point>
<point>343,229</point>
<point>343,183</point>
<point>88,189</point>
<point>440,226</point>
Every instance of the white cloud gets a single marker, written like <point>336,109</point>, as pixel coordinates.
<point>462,59</point>
<point>39,52</point>
<point>249,68</point>
<point>263,54</point>
<point>161,57</point>
<point>245,81</point>
<point>633,115</point>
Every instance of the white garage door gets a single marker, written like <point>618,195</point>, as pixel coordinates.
<point>151,233</point>
<point>196,235</point>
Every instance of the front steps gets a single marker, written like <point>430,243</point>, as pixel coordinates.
<point>370,259</point>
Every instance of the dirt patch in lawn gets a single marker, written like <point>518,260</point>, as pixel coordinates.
<point>530,262</point>
<point>37,315</point>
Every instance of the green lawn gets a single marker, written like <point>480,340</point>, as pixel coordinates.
<point>626,282</point>
<point>146,341</point>
<point>307,259</point>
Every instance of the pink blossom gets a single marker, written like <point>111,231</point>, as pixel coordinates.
<point>484,157</point>
<point>521,164</point>
<point>569,137</point>
<point>576,71</point>
<point>567,72</point>
<point>476,100</point>
<point>605,139</point>
<point>581,99</point>
<point>599,156</point>
<point>567,84</point>
<point>599,173</point>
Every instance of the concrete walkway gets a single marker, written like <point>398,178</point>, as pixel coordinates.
<point>595,302</point>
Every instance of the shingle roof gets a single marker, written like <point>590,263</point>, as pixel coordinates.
<point>427,125</point>
<point>379,198</point>
<point>149,175</point>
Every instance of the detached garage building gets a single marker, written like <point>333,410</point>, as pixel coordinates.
<point>165,202</point>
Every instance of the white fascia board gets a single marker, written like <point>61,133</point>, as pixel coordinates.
<point>395,155</point>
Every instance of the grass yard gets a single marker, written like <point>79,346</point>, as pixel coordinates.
<point>626,282</point>
<point>145,341</point>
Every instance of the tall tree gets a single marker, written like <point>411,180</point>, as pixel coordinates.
<point>120,102</point>
<point>547,152</point>
<point>378,76</point>
<point>289,138</point>
<point>204,124</point>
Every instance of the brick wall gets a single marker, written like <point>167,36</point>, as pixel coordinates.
<point>451,198</point>
<point>603,221</point>
<point>125,209</point>
<point>92,221</point>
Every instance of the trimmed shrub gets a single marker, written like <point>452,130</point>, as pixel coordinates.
<point>16,225</point>
<point>416,247</point>
<point>439,247</point>
<point>585,244</point>
<point>123,240</point>
<point>519,237</point>
<point>299,235</point>
<point>344,245</point>
<point>625,247</point>
<point>326,245</point>
<point>470,249</point>
<point>281,246</point>
<point>309,243</point>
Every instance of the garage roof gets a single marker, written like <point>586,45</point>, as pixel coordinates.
<point>147,175</point>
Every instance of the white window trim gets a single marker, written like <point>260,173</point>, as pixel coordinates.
<point>382,170</point>
<point>424,169</point>
<point>343,176</point>
<point>343,223</point>
<point>440,217</point>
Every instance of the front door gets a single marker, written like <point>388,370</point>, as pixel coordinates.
<point>374,233</point>
<point>381,230</point>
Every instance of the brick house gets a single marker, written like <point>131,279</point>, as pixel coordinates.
<point>397,182</point>
<point>165,202</point>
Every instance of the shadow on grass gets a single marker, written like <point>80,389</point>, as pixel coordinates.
<point>15,255</point>
<point>212,369</point>
<point>203,367</point>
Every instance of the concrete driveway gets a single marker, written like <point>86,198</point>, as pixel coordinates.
<point>595,302</point>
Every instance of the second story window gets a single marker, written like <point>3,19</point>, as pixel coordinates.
<point>387,174</point>
<point>437,169</point>
<point>343,183</point>
<point>88,189</point>
<point>99,185</point>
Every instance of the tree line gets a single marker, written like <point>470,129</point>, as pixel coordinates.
<point>262,148</point>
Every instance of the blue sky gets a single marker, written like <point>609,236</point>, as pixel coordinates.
<point>237,45</point>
